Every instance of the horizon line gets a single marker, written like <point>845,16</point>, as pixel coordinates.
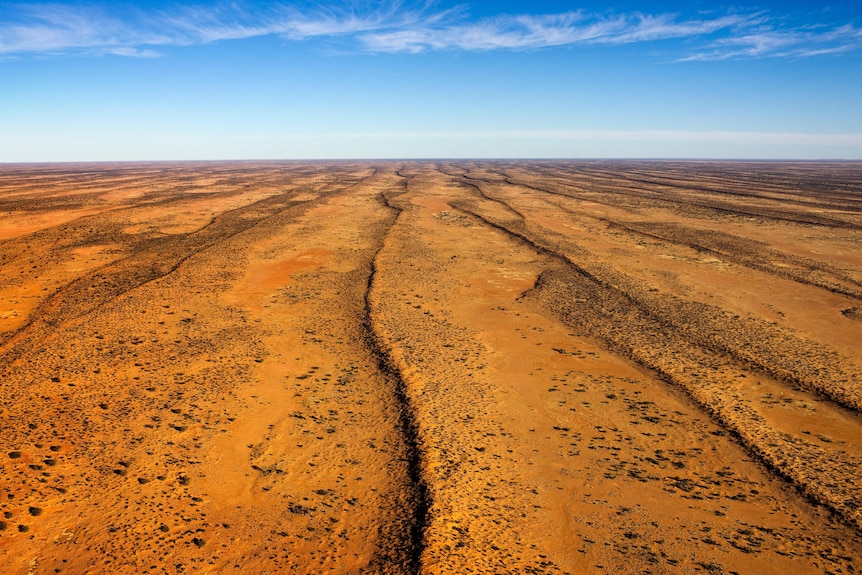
<point>444,158</point>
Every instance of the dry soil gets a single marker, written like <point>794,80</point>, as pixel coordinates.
<point>431,367</point>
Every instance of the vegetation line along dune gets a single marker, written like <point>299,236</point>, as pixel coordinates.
<point>420,494</point>
<point>431,367</point>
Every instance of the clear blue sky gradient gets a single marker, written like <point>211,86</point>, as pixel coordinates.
<point>294,80</point>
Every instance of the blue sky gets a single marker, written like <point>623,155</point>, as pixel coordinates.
<point>161,80</point>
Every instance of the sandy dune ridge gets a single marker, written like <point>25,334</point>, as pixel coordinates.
<point>431,367</point>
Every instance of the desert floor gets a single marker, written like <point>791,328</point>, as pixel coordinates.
<point>431,367</point>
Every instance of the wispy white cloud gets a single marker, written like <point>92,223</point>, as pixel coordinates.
<point>768,42</point>
<point>47,29</point>
<point>545,31</point>
<point>132,52</point>
<point>393,27</point>
<point>235,21</point>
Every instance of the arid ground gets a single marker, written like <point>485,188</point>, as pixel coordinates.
<point>431,367</point>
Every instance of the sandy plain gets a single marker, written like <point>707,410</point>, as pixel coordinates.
<point>431,367</point>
